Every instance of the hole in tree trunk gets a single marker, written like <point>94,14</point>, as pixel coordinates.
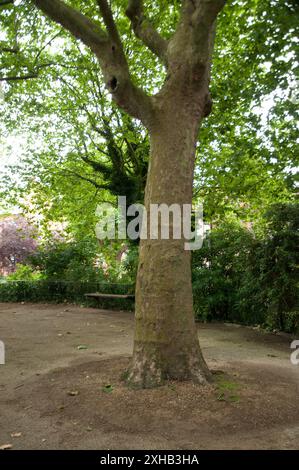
<point>113,84</point>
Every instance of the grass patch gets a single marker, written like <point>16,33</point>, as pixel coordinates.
<point>227,390</point>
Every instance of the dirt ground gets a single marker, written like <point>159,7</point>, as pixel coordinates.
<point>61,387</point>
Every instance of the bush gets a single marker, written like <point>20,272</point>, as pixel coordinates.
<point>239,275</point>
<point>67,262</point>
<point>250,278</point>
<point>218,269</point>
<point>24,272</point>
<point>279,261</point>
<point>45,290</point>
<point>65,272</point>
<point>130,264</point>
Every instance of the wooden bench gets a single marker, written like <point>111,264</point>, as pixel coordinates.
<point>98,295</point>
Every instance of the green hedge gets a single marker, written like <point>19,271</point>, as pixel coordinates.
<point>65,291</point>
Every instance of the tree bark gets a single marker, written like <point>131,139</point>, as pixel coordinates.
<point>166,344</point>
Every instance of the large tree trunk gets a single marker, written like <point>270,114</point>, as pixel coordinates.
<point>166,344</point>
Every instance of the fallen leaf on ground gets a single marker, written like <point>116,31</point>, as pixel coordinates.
<point>5,447</point>
<point>73,393</point>
<point>16,434</point>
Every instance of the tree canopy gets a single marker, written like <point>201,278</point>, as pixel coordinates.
<point>88,150</point>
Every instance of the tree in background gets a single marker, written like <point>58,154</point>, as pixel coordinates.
<point>248,153</point>
<point>17,242</point>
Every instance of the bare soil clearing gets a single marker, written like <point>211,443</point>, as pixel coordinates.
<point>61,387</point>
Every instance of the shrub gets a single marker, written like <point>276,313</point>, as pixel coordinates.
<point>218,269</point>
<point>67,262</point>
<point>250,278</point>
<point>24,272</point>
<point>65,272</point>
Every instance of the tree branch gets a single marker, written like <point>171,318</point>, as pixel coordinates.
<point>145,31</point>
<point>83,178</point>
<point>111,58</point>
<point>190,51</point>
<point>72,20</point>
<point>98,166</point>
<point>45,46</point>
<point>107,15</point>
<point>207,10</point>
<point>11,50</point>
<point>18,78</point>
<point>32,73</point>
<point>203,18</point>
